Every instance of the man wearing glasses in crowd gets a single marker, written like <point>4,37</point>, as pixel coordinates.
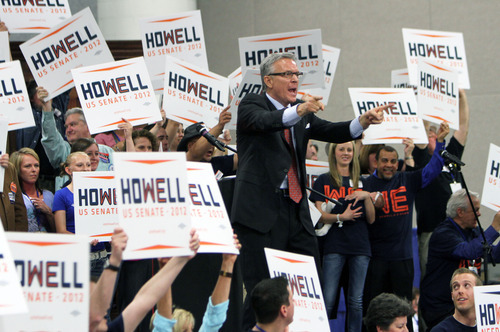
<point>270,206</point>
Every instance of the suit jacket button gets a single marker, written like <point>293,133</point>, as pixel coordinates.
<point>285,170</point>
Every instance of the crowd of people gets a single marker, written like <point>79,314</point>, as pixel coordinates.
<point>362,243</point>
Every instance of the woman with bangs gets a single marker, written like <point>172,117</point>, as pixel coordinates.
<point>347,240</point>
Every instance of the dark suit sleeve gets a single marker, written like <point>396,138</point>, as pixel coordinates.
<point>256,114</point>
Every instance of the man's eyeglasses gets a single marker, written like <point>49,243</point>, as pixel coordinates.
<point>288,74</point>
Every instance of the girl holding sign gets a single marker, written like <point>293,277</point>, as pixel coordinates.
<point>347,240</point>
<point>64,211</point>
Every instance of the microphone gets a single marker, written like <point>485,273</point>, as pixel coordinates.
<point>449,157</point>
<point>210,138</point>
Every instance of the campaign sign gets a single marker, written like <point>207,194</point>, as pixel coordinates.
<point>33,16</point>
<point>487,305</point>
<point>179,35</point>
<point>153,204</point>
<point>315,168</point>
<point>401,80</point>
<point>208,212</point>
<point>491,188</point>
<point>300,270</point>
<point>4,47</point>
<point>251,83</point>
<point>400,121</point>
<point>192,94</point>
<point>446,48</point>
<point>4,124</point>
<point>96,211</point>
<point>438,93</point>
<point>12,300</point>
<point>330,60</point>
<point>14,99</point>
<point>53,270</point>
<point>306,45</point>
<point>74,43</point>
<point>234,81</point>
<point>113,91</point>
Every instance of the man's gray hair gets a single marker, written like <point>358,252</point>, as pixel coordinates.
<point>267,65</point>
<point>458,200</point>
<point>75,110</point>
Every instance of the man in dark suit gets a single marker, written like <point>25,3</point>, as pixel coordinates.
<point>270,206</point>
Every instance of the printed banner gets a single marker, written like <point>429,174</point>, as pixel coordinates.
<point>486,303</point>
<point>315,168</point>
<point>193,94</point>
<point>153,206</point>
<point>14,96</point>
<point>113,91</point>
<point>4,47</point>
<point>438,93</point>
<point>4,124</point>
<point>54,273</point>
<point>96,212</point>
<point>401,80</point>
<point>251,83</point>
<point>74,43</point>
<point>33,16</point>
<point>306,45</point>
<point>491,188</point>
<point>400,121</point>
<point>12,300</point>
<point>208,212</point>
<point>330,60</point>
<point>179,35</point>
<point>446,48</point>
<point>300,270</point>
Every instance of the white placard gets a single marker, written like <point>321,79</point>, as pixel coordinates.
<point>251,83</point>
<point>208,212</point>
<point>491,188</point>
<point>4,124</point>
<point>401,80</point>
<point>315,168</point>
<point>193,94</point>
<point>96,211</point>
<point>14,99</point>
<point>12,300</point>
<point>54,273</point>
<point>179,35</point>
<point>330,60</point>
<point>234,81</point>
<point>153,203</point>
<point>4,47</point>
<point>400,121</point>
<point>300,270</point>
<point>111,91</point>
<point>446,48</point>
<point>74,43</point>
<point>33,16</point>
<point>486,303</point>
<point>306,45</point>
<point>438,93</point>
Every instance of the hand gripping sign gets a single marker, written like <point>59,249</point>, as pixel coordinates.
<point>153,203</point>
<point>33,16</point>
<point>53,271</point>
<point>306,45</point>
<point>400,121</point>
<point>113,91</point>
<point>179,35</point>
<point>74,43</point>
<point>14,96</point>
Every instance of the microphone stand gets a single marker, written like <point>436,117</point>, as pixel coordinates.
<point>487,256</point>
<point>333,200</point>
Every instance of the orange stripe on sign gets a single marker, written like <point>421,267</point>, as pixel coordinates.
<point>394,137</point>
<point>498,206</point>
<point>194,169</point>
<point>42,244</point>
<point>382,93</point>
<point>150,162</point>
<point>99,235</point>
<point>62,86</point>
<point>34,28</point>
<point>170,19</point>
<point>432,36</point>
<point>437,117</point>
<point>121,121</point>
<point>203,243</point>
<point>55,31</point>
<point>403,74</point>
<point>197,72</point>
<point>278,39</point>
<point>160,74</point>
<point>157,247</point>
<point>310,165</point>
<point>189,120</point>
<point>109,68</point>
<point>104,177</point>
<point>15,123</point>
<point>289,260</point>
<point>437,67</point>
